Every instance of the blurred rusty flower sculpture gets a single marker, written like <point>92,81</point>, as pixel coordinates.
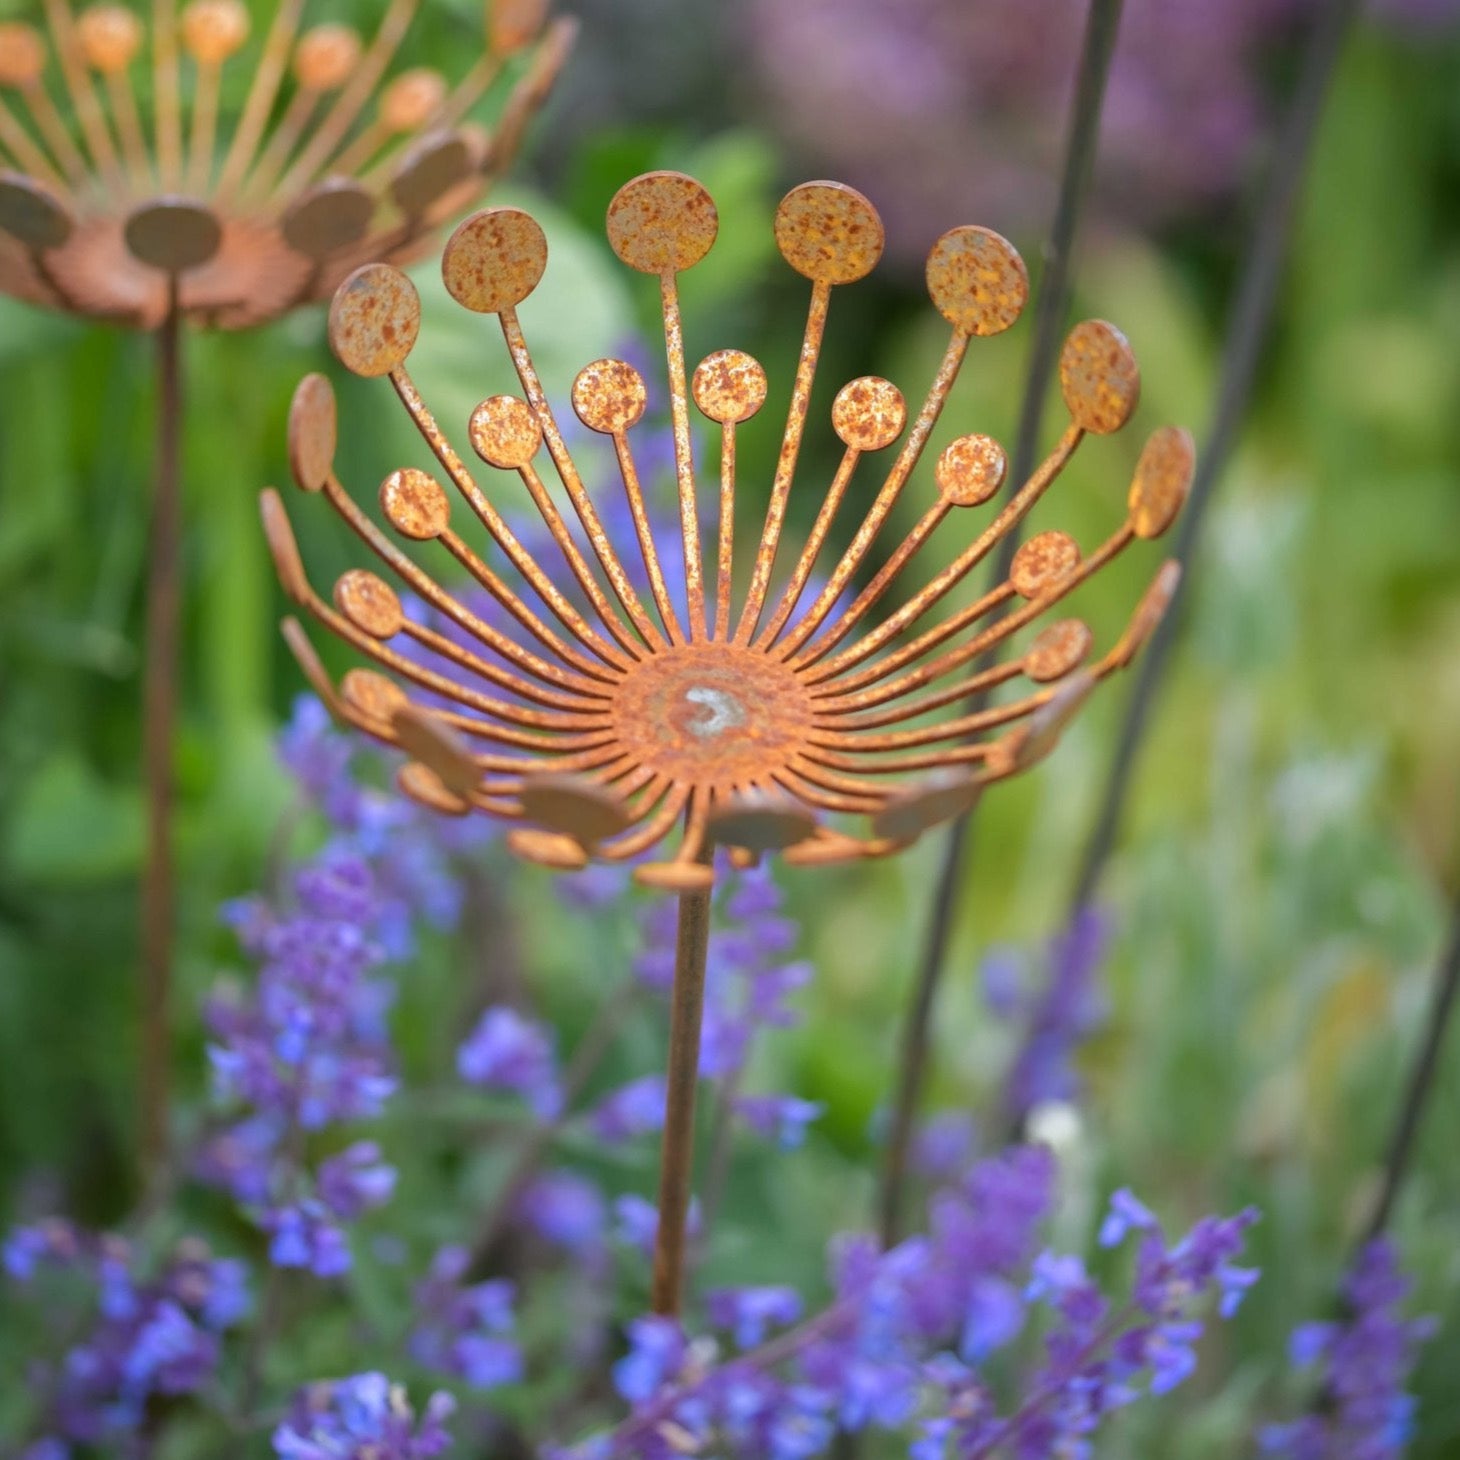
<point>146,222</point>
<point>758,724</point>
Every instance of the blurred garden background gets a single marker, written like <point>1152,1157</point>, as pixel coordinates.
<point>1282,886</point>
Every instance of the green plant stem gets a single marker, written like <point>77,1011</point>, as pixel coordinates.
<point>1102,22</point>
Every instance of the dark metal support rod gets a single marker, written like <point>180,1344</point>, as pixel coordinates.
<point>1421,1081</point>
<point>164,592</point>
<point>676,1162</point>
<point>1102,23</point>
<point>1246,335</point>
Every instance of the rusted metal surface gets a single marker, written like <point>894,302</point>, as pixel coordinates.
<point>820,732</point>
<point>116,178</point>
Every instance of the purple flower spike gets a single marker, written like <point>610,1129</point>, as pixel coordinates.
<point>509,1052</point>
<point>361,1416</point>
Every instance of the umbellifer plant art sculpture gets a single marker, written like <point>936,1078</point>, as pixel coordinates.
<point>146,220</point>
<point>745,718</point>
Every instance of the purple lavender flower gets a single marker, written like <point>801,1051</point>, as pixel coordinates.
<point>465,1330</point>
<point>635,1109</point>
<point>506,1051</point>
<point>749,1313</point>
<point>566,1210</point>
<point>365,1415</point>
<point>783,1119</point>
<point>1365,1360</point>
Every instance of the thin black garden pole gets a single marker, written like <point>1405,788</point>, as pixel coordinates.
<point>1421,1081</point>
<point>1102,23</point>
<point>1246,335</point>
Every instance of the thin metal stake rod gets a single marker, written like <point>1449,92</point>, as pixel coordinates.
<point>676,1162</point>
<point>159,713</point>
<point>1421,1081</point>
<point>1102,23</point>
<point>1251,316</point>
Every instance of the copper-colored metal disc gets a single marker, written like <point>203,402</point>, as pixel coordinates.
<point>31,213</point>
<point>329,217</point>
<point>662,222</point>
<point>1099,377</point>
<point>282,547</point>
<point>920,808</point>
<point>868,413</point>
<point>412,98</point>
<point>173,234</point>
<point>829,232</point>
<point>1059,649</point>
<point>374,319</point>
<point>1031,742</point>
<point>22,54</point>
<point>494,260</point>
<point>427,789</point>
<point>971,470</point>
<point>415,504</point>
<point>514,24</point>
<point>326,56</point>
<point>675,876</point>
<point>1162,480</point>
<point>372,694</point>
<point>761,823</point>
<point>312,432</point>
<point>547,849</point>
<point>729,386</point>
<point>1043,562</point>
<point>609,396</point>
<point>977,280</point>
<point>711,714</point>
<point>505,432</point>
<point>308,661</point>
<point>428,171</point>
<point>1149,611</point>
<point>110,37</point>
<point>575,806</point>
<point>369,602</point>
<point>430,740</point>
<point>212,30</point>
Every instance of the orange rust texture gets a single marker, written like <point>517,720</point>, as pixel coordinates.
<point>763,737</point>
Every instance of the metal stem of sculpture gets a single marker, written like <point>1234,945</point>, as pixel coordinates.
<point>622,707</point>
<point>151,226</point>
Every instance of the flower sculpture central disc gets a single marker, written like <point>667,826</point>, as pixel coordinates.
<point>711,714</point>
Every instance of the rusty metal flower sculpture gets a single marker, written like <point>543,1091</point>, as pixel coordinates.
<point>751,720</point>
<point>145,220</point>
<point>119,220</point>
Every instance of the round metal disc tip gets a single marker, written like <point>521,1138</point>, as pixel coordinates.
<point>504,432</point>
<point>921,808</point>
<point>729,386</point>
<point>429,739</point>
<point>549,849</point>
<point>609,396</point>
<point>761,823</point>
<point>375,317</point>
<point>426,788</point>
<point>829,232</point>
<point>977,280</point>
<point>513,24</point>
<point>494,260</point>
<point>313,432</point>
<point>282,546</point>
<point>575,806</point>
<point>429,170</point>
<point>675,876</point>
<point>328,218</point>
<point>1059,649</point>
<point>970,470</point>
<point>173,234</point>
<point>31,214</point>
<point>415,504</point>
<point>1043,563</point>
<point>369,602</point>
<point>662,222</point>
<point>868,413</point>
<point>1099,377</point>
<point>1162,480</point>
<point>372,695</point>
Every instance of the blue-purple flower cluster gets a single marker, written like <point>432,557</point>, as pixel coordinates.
<point>1360,1367</point>
<point>906,1343</point>
<point>365,1417</point>
<point>144,1336</point>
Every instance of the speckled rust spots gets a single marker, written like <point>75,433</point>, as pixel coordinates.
<point>729,386</point>
<point>328,218</point>
<point>970,470</point>
<point>711,714</point>
<point>1058,650</point>
<point>868,413</point>
<point>173,235</point>
<point>609,396</point>
<point>761,821</point>
<point>372,694</point>
<point>504,432</point>
<point>31,213</point>
<point>603,730</point>
<point>1099,377</point>
<point>1043,563</point>
<point>369,602</point>
<point>110,37</point>
<point>977,280</point>
<point>415,504</point>
<point>829,232</point>
<point>494,260</point>
<point>1162,479</point>
<point>22,54</point>
<point>574,806</point>
<point>427,789</point>
<point>375,317</point>
<point>662,223</point>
